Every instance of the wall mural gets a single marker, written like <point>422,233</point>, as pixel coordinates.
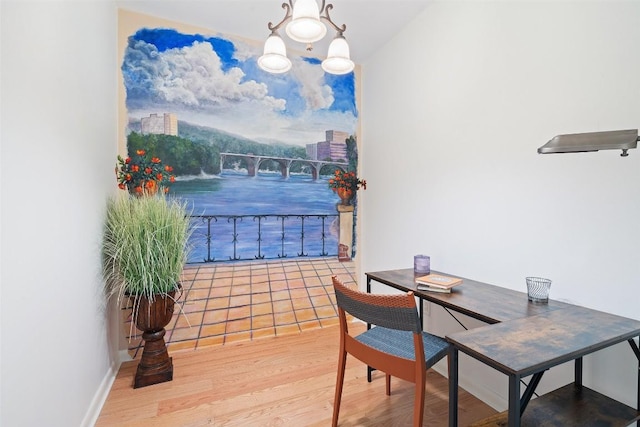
<point>252,152</point>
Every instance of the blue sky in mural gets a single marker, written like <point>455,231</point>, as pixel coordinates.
<point>215,81</point>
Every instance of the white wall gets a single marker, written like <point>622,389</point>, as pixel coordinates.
<point>58,135</point>
<point>454,108</point>
<point>453,111</point>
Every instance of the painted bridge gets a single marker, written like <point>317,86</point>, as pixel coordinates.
<point>253,163</point>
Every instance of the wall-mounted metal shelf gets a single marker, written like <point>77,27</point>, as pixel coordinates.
<point>592,141</point>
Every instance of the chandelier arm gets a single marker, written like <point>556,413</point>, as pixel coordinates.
<point>327,18</point>
<point>287,16</point>
<point>322,7</point>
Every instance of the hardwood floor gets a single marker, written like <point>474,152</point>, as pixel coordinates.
<point>278,381</point>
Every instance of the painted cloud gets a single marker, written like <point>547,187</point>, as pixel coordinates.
<point>215,81</point>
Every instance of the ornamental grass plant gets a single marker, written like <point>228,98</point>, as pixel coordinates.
<point>145,245</point>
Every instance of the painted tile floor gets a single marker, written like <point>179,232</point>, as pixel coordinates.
<point>227,302</point>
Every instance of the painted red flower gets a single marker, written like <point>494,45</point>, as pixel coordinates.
<point>142,173</point>
<point>346,180</point>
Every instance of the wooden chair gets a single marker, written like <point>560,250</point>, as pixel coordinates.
<point>396,345</point>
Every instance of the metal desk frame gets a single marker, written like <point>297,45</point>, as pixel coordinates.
<point>512,317</point>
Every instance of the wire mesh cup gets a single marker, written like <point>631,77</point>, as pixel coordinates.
<point>538,289</point>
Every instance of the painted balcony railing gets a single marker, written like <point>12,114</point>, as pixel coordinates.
<point>224,238</point>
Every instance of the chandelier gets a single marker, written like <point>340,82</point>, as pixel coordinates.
<point>305,26</point>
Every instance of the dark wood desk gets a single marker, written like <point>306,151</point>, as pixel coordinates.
<point>525,339</point>
<point>488,303</point>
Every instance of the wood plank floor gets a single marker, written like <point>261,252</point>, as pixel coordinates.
<point>278,381</point>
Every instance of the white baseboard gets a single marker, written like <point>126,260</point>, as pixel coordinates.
<point>488,396</point>
<point>91,417</point>
<point>123,356</point>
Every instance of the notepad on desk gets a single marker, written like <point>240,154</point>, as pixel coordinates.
<point>437,283</point>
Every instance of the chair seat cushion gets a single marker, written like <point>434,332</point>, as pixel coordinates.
<point>400,343</point>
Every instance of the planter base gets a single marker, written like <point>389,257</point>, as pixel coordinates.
<point>155,365</point>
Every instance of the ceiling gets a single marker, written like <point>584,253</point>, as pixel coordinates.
<point>370,23</point>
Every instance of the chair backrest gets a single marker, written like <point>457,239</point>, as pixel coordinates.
<point>389,311</point>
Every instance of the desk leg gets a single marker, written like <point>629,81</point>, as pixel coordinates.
<point>514,400</point>
<point>578,372</point>
<point>529,391</point>
<point>636,350</point>
<point>369,368</point>
<point>453,386</point>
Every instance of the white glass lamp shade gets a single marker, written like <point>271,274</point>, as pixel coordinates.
<point>338,60</point>
<point>274,58</point>
<point>305,25</point>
